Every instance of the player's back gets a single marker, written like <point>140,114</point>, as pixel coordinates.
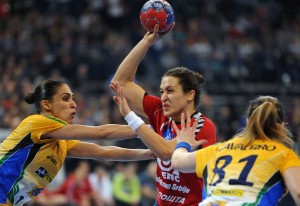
<point>237,174</point>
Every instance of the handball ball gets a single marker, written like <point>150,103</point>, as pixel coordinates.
<point>157,12</point>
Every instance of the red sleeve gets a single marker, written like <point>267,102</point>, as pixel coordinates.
<point>151,104</point>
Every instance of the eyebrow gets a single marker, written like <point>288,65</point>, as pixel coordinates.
<point>65,93</point>
<point>168,87</point>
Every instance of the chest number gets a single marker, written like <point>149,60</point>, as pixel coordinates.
<point>242,180</point>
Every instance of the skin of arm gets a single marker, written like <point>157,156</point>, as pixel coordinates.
<point>83,132</point>
<point>183,161</point>
<point>134,93</point>
<point>292,178</point>
<point>126,72</point>
<point>158,145</point>
<point>109,153</point>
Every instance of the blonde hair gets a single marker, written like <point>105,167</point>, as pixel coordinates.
<point>265,121</point>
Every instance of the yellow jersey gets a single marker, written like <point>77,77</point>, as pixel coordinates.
<point>28,163</point>
<point>235,174</point>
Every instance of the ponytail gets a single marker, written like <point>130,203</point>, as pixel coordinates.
<point>265,121</point>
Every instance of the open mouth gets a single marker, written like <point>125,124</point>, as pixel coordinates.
<point>73,114</point>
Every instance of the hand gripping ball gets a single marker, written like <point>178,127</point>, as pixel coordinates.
<point>157,12</point>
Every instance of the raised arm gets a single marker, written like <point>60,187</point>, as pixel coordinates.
<point>109,153</point>
<point>126,72</point>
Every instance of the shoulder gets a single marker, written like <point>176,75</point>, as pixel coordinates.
<point>207,120</point>
<point>150,100</point>
<point>43,118</point>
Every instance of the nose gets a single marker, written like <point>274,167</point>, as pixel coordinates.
<point>73,104</point>
<point>163,96</point>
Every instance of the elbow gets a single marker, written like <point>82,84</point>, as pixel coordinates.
<point>121,81</point>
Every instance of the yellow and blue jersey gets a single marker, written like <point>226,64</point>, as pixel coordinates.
<point>235,174</point>
<point>27,162</point>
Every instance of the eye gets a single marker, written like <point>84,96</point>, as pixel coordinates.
<point>170,91</point>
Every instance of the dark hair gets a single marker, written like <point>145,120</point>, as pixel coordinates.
<point>265,121</point>
<point>189,80</point>
<point>44,91</point>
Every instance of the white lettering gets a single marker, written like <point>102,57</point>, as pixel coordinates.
<point>171,198</point>
<point>163,184</point>
<point>174,176</point>
<point>180,188</point>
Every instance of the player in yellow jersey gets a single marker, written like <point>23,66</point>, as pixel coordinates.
<point>34,152</point>
<point>253,168</point>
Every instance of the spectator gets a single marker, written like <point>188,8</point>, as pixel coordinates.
<point>148,184</point>
<point>126,186</point>
<point>77,187</point>
<point>101,183</point>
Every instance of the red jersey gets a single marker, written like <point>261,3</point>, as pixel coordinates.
<point>174,187</point>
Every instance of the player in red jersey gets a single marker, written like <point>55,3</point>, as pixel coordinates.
<point>180,92</point>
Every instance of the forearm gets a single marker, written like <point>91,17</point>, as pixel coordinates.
<point>116,132</point>
<point>162,148</point>
<point>113,153</point>
<point>184,161</point>
<point>83,132</point>
<point>109,153</point>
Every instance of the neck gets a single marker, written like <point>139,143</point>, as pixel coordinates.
<point>177,118</point>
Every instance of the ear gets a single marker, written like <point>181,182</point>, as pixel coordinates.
<point>45,105</point>
<point>191,95</point>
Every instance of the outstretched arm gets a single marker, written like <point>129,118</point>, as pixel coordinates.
<point>109,153</point>
<point>84,132</point>
<point>126,72</point>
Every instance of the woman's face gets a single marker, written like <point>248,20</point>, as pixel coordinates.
<point>61,105</point>
<point>174,100</point>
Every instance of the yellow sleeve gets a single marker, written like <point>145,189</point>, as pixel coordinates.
<point>71,143</point>
<point>291,159</point>
<point>202,158</point>
<point>41,124</point>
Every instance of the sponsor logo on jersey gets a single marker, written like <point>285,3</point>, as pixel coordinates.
<point>44,174</point>
<point>218,203</point>
<point>36,191</point>
<point>51,158</point>
<point>232,146</point>
<point>171,198</point>
<point>232,192</point>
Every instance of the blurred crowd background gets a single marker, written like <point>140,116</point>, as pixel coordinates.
<point>243,49</point>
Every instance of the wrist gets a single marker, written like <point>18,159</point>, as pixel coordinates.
<point>185,145</point>
<point>133,120</point>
